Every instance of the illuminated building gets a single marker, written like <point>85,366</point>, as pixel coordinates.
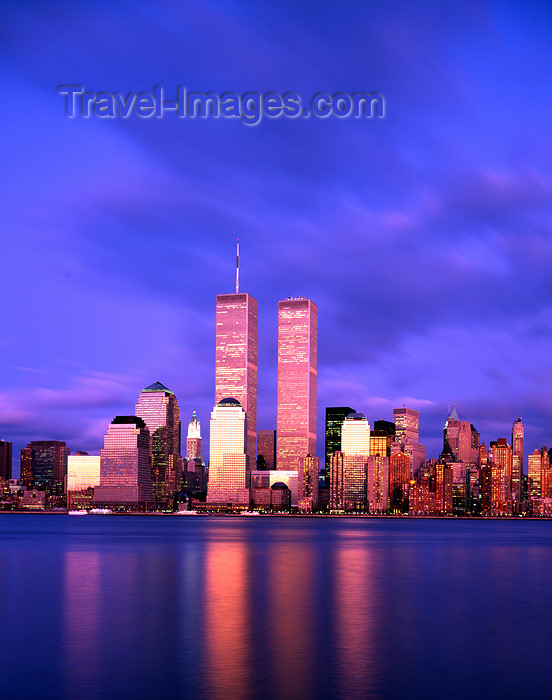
<point>399,478</point>
<point>534,463</point>
<point>193,439</point>
<point>501,487</point>
<point>125,465</point>
<point>158,408</point>
<point>229,470</point>
<point>407,424</point>
<point>335,415</point>
<point>381,438</point>
<point>378,483</point>
<point>264,479</point>
<point>355,448</point>
<point>517,459</point>
<point>431,494</point>
<point>337,502</point>
<point>236,359</point>
<point>27,468</point>
<point>266,448</point>
<point>83,474</point>
<point>308,483</point>
<point>297,375</point>
<point>44,465</point>
<point>5,460</point>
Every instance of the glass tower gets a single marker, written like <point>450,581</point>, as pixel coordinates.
<point>297,374</point>
<point>158,407</point>
<point>229,469</point>
<point>125,466</point>
<point>236,358</point>
<point>335,415</point>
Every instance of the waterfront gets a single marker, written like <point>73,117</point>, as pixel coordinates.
<point>274,607</point>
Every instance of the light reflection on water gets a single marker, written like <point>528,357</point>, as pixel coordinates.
<point>274,608</point>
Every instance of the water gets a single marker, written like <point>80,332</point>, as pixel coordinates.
<point>173,607</point>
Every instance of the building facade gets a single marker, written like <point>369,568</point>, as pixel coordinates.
<point>335,415</point>
<point>236,358</point>
<point>125,465</point>
<point>297,381</point>
<point>266,448</point>
<point>158,408</point>
<point>229,466</point>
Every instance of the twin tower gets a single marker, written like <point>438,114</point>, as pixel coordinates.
<point>236,372</point>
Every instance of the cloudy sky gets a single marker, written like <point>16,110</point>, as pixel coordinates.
<point>424,237</point>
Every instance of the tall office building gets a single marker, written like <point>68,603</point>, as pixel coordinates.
<point>193,439</point>
<point>297,376</point>
<point>44,465</point>
<point>308,483</point>
<point>83,474</point>
<point>407,422</point>
<point>5,460</point>
<point>399,478</point>
<point>355,447</point>
<point>335,415</point>
<point>517,458</point>
<point>229,465</point>
<point>537,462</point>
<point>125,465</point>
<point>266,448</point>
<point>158,408</point>
<point>236,358</point>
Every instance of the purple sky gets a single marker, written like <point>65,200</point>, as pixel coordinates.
<point>424,238</point>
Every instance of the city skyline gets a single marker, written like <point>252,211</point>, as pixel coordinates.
<point>423,237</point>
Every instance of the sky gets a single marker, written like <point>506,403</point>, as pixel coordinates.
<point>424,237</point>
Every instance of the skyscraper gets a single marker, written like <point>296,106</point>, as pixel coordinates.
<point>236,358</point>
<point>308,483</point>
<point>335,415</point>
<point>158,407</point>
<point>407,422</point>
<point>297,376</point>
<point>44,465</point>
<point>125,465</point>
<point>517,458</point>
<point>193,439</point>
<point>229,466</point>
<point>355,447</point>
<point>5,460</point>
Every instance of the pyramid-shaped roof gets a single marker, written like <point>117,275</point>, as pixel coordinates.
<point>158,387</point>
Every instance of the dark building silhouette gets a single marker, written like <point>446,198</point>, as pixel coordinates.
<point>335,415</point>
<point>5,460</point>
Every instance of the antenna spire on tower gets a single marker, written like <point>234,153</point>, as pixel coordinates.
<point>238,266</point>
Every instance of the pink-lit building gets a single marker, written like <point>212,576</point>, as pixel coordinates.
<point>236,358</point>
<point>309,468</point>
<point>158,407</point>
<point>229,469</point>
<point>407,424</point>
<point>125,466</point>
<point>517,459</point>
<point>297,376</point>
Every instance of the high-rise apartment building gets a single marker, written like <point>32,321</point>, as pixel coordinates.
<point>266,448</point>
<point>158,408</point>
<point>335,415</point>
<point>229,465</point>
<point>378,483</point>
<point>236,358</point>
<point>297,377</point>
<point>5,460</point>
<point>193,439</point>
<point>125,465</point>
<point>399,477</point>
